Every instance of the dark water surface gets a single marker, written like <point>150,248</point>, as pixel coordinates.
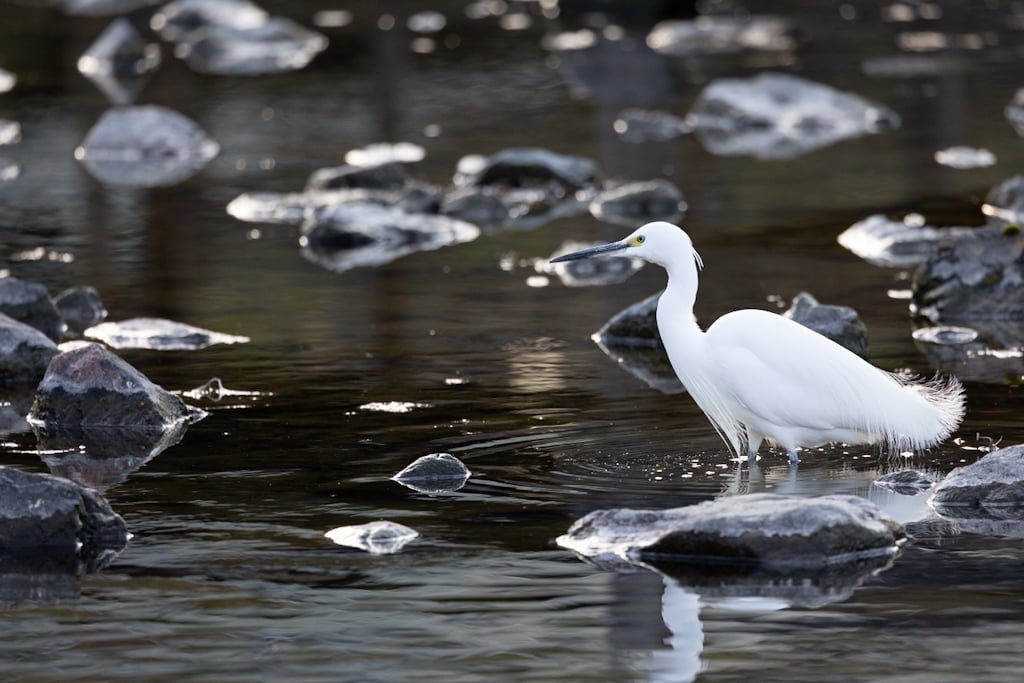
<point>228,575</point>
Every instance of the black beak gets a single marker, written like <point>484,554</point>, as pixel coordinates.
<point>593,251</point>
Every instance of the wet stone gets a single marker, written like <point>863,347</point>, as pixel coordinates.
<point>711,35</point>
<point>640,202</point>
<point>118,62</point>
<point>994,484</point>
<point>380,537</point>
<point>30,303</point>
<point>764,529</point>
<point>481,205</point>
<point>40,510</point>
<point>841,324</point>
<point>25,352</point>
<point>89,386</point>
<point>360,234</point>
<point>642,125</point>
<point>80,308</point>
<point>385,176</point>
<point>277,45</point>
<point>779,116</point>
<point>965,157</point>
<point>434,473</point>
<point>145,146</point>
<point>533,167</point>
<point>882,241</point>
<point>176,20</point>
<point>158,334</point>
<point>1015,112</point>
<point>978,278</point>
<point>1005,202</point>
<point>905,482</point>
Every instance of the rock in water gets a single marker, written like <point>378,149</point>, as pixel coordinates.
<point>25,352</point>
<point>80,308</point>
<point>994,481</point>
<point>89,386</point>
<point>905,482</point>
<point>30,303</point>
<point>640,202</point>
<point>43,511</point>
<point>841,324</point>
<point>434,473</point>
<point>380,538</point>
<point>779,116</point>
<point>765,529</point>
<point>145,146</point>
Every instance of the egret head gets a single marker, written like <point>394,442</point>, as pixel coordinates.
<point>658,242</point>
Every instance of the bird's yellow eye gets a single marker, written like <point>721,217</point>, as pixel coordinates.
<point>639,239</point>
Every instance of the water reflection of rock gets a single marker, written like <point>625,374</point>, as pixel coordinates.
<point>102,457</point>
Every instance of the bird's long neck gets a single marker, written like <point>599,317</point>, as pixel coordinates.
<point>675,309</point>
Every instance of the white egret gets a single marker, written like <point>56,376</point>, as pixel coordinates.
<point>758,375</point>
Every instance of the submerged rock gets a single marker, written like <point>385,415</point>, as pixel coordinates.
<point>384,176</point>
<point>88,386</point>
<point>771,531</point>
<point>631,339</point>
<point>711,35</point>
<point>965,157</point>
<point>357,234</point>
<point>1015,112</point>
<point>235,37</point>
<point>119,61</point>
<point>779,116</point>
<point>158,334</point>
<point>380,538</point>
<point>29,303</point>
<point>986,352</point>
<point>80,308</point>
<point>40,510</point>
<point>642,125</point>
<point>885,242</point>
<point>976,278</point>
<point>905,482</point>
<point>434,473</point>
<point>533,167</point>
<point>145,146</point>
<point>640,202</point>
<point>841,324</point>
<point>607,270</point>
<point>25,352</point>
<point>1004,203</point>
<point>990,488</point>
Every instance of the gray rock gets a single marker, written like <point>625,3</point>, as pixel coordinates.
<point>158,334</point>
<point>607,270</point>
<point>779,116</point>
<point>119,61</point>
<point>1004,203</point>
<point>994,484</point>
<point>145,146</point>
<point>841,324</point>
<point>634,203</point>
<point>386,176</point>
<point>25,352</point>
<point>277,45</point>
<point>480,205</point>
<point>434,473</point>
<point>771,531</point>
<point>898,244</point>
<point>40,510</point>
<point>977,278</point>
<point>358,234</point>
<point>176,20</point>
<point>534,167</point>
<point>716,35</point>
<point>80,308</point>
<point>89,386</point>
<point>988,351</point>
<point>380,538</point>
<point>905,482</point>
<point>30,303</point>
<point>631,339</point>
<point>1015,112</point>
<point>641,125</point>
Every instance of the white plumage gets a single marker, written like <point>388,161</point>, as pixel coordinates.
<point>758,375</point>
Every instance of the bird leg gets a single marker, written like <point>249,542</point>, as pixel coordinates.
<point>793,457</point>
